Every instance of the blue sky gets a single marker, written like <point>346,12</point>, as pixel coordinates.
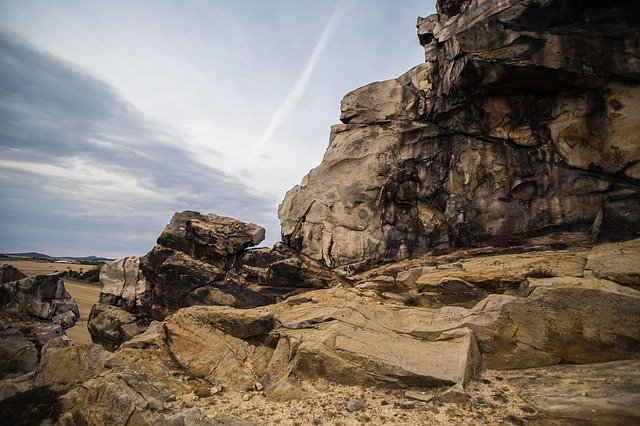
<point>115,114</point>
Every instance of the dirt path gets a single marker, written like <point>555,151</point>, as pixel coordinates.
<point>86,295</point>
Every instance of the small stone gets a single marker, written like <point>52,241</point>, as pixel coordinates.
<point>584,394</point>
<point>354,404</point>
<point>246,397</point>
<point>216,389</point>
<point>259,386</point>
<point>322,385</point>
<point>455,394</point>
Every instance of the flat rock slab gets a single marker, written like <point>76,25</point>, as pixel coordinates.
<point>607,393</point>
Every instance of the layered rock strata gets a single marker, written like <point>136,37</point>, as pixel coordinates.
<point>198,260</point>
<point>522,121</point>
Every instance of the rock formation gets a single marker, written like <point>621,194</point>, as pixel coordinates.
<point>522,121</point>
<point>356,336</point>
<point>198,260</point>
<point>33,310</point>
<point>462,204</point>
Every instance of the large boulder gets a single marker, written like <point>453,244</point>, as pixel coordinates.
<point>521,121</point>
<point>198,260</point>
<point>42,296</point>
<point>33,310</point>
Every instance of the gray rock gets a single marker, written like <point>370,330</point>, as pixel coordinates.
<point>355,404</point>
<point>42,296</point>
<point>10,273</point>
<point>110,326</point>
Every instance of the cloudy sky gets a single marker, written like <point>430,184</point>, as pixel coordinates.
<point>115,114</point>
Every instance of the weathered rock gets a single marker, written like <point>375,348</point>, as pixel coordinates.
<point>42,296</point>
<point>512,126</point>
<point>566,320</point>
<point>616,262</point>
<point>604,393</point>
<point>341,336</point>
<point>110,326</point>
<point>199,260</point>
<point>33,310</point>
<point>123,284</point>
<point>18,355</point>
<point>10,273</point>
<point>63,366</point>
<point>207,237</point>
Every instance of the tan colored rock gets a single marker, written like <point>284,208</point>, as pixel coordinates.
<point>616,262</point>
<point>61,367</point>
<point>498,273</point>
<point>604,393</point>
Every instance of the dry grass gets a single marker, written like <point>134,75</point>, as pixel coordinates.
<point>36,267</point>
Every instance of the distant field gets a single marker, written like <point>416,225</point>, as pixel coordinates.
<point>86,295</point>
<point>36,267</point>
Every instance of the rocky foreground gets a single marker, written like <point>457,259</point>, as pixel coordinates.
<point>466,252</point>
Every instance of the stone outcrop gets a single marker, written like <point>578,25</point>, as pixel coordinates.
<point>198,260</point>
<point>521,121</point>
<point>33,310</point>
<point>517,140</point>
<point>344,335</point>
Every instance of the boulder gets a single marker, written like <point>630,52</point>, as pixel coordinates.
<point>198,260</point>
<point>42,296</point>
<point>33,310</point>
<point>10,273</point>
<point>110,326</point>
<point>209,236</point>
<point>122,284</point>
<point>496,133</point>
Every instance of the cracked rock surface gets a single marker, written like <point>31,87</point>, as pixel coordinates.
<point>198,260</point>
<point>522,121</point>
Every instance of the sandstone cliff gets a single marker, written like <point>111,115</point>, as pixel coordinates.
<point>522,121</point>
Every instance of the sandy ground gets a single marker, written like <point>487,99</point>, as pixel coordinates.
<point>86,295</point>
<point>489,400</point>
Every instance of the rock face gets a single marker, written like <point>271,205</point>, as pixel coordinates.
<point>33,310</point>
<point>344,335</point>
<point>521,121</point>
<point>198,260</point>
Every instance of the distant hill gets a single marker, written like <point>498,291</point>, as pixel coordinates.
<point>32,254</point>
<point>36,255</point>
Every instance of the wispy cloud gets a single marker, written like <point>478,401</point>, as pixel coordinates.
<point>293,98</point>
<point>79,163</point>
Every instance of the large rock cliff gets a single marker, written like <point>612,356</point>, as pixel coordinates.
<point>522,121</point>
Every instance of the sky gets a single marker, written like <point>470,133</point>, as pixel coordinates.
<point>116,114</point>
